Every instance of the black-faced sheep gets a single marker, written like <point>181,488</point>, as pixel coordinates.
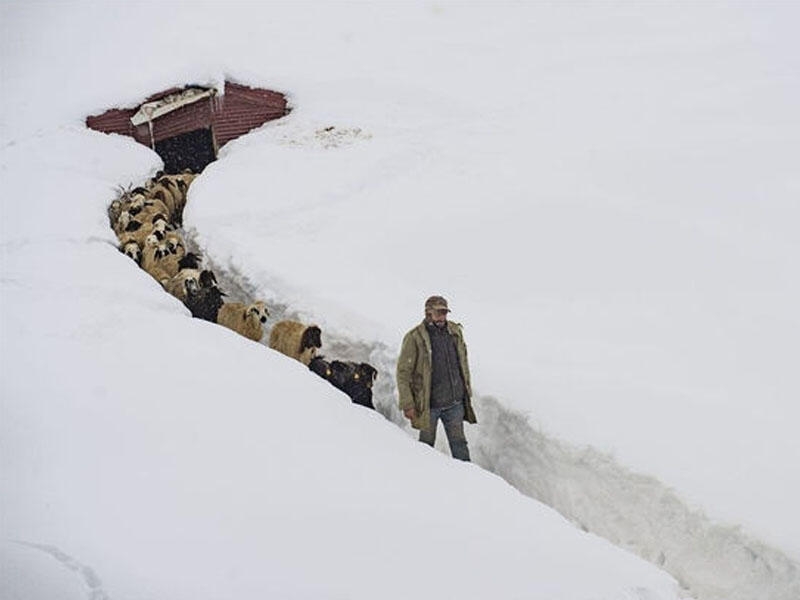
<point>191,261</point>
<point>244,319</point>
<point>354,379</point>
<point>138,231</point>
<point>128,201</point>
<point>298,340</point>
<point>203,297</point>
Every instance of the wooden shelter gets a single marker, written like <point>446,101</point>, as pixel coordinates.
<point>187,126</point>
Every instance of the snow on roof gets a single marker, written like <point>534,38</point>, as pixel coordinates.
<point>149,111</point>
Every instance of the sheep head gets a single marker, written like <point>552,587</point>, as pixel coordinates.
<point>153,239</point>
<point>175,244</point>
<point>136,205</point>
<point>131,249</point>
<point>124,220</point>
<point>312,338</point>
<point>190,261</point>
<point>257,310</point>
<point>191,286</point>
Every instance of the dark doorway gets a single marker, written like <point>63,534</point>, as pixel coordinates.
<point>192,150</point>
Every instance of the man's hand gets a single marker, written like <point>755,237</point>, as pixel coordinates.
<point>410,413</point>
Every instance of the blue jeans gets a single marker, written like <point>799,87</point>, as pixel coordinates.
<point>453,420</point>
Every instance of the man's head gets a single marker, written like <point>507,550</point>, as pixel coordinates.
<point>436,310</point>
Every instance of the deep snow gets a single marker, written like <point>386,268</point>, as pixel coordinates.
<point>605,193</point>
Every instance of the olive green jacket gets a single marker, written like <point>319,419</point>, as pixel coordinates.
<point>414,374</point>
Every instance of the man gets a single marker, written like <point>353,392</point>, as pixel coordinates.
<point>433,378</point>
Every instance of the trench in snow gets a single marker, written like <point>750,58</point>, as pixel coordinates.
<point>633,511</point>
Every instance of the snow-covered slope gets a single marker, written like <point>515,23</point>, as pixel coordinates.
<point>151,454</point>
<point>605,194</point>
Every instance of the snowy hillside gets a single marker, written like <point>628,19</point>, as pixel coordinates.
<point>152,454</point>
<point>605,194</point>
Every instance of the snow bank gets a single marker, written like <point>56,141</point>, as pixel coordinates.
<point>611,195</point>
<point>146,453</point>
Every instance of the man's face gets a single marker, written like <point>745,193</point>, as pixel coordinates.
<point>439,316</point>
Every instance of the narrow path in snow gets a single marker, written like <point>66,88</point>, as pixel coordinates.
<point>633,511</point>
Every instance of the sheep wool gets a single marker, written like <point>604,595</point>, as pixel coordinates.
<point>176,286</point>
<point>244,319</point>
<point>298,340</point>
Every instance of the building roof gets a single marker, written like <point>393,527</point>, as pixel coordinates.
<point>177,111</point>
<point>150,111</point>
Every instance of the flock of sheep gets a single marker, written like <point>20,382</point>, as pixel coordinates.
<point>147,220</point>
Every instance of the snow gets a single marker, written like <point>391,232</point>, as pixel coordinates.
<point>605,193</point>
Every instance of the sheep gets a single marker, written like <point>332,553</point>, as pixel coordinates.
<point>354,379</point>
<point>154,251</point>
<point>175,244</point>
<point>120,205</point>
<point>138,231</point>
<point>203,297</point>
<point>129,200</point>
<point>122,222</point>
<point>115,210</point>
<point>176,286</point>
<point>186,177</point>
<point>244,319</point>
<point>132,250</point>
<point>135,204</point>
<point>150,208</point>
<point>298,340</point>
<point>190,261</point>
<point>188,268</point>
<point>183,181</point>
<point>167,191</point>
<point>163,263</point>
